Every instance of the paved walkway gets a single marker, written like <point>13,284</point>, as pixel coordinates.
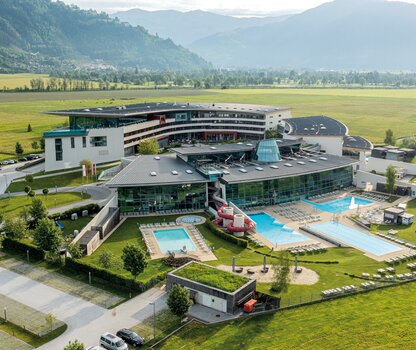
<point>86,321</point>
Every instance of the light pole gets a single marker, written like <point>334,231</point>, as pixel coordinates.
<point>5,314</point>
<point>154,319</point>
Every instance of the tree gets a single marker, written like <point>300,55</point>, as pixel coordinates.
<point>29,178</point>
<point>106,259</point>
<point>50,319</point>
<point>38,211</point>
<point>35,145</point>
<point>29,128</point>
<point>150,146</point>
<point>42,144</point>
<point>27,189</point>
<point>391,179</point>
<point>18,148</point>
<point>75,250</point>
<point>179,301</point>
<point>75,345</point>
<point>45,191</point>
<point>389,139</point>
<point>134,259</point>
<point>47,236</point>
<point>31,193</point>
<point>280,282</point>
<point>15,227</point>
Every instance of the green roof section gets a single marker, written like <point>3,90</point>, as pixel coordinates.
<point>212,277</point>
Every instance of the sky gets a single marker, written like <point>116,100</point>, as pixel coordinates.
<point>230,7</point>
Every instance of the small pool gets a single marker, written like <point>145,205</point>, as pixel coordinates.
<point>356,239</point>
<point>275,231</point>
<point>173,240</point>
<point>340,205</point>
<point>191,219</point>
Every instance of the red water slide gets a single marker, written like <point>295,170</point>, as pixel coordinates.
<point>248,224</point>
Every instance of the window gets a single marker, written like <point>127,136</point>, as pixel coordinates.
<point>98,141</point>
<point>72,142</point>
<point>58,150</point>
<point>84,142</point>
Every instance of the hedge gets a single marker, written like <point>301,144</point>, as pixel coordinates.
<point>14,246</point>
<point>92,208</point>
<point>224,235</point>
<point>114,279</point>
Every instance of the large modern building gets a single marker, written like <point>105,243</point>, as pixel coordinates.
<point>104,134</point>
<point>248,174</point>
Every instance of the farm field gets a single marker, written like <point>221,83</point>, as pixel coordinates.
<point>377,320</point>
<point>366,112</point>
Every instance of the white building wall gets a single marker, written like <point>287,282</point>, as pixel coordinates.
<point>380,165</point>
<point>275,118</point>
<point>73,156</point>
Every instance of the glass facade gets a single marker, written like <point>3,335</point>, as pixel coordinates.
<point>275,191</point>
<point>151,199</point>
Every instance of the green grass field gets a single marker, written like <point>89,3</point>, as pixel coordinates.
<point>367,112</point>
<point>376,320</point>
<point>13,81</point>
<point>14,205</point>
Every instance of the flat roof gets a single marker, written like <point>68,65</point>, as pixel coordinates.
<point>316,125</point>
<point>285,168</point>
<point>394,210</point>
<point>153,170</point>
<point>164,107</point>
<point>247,146</point>
<point>357,142</point>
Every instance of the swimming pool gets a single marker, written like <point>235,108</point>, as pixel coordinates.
<point>340,205</point>
<point>356,239</point>
<point>275,231</point>
<point>173,240</point>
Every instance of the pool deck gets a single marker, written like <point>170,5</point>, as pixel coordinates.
<point>202,252</point>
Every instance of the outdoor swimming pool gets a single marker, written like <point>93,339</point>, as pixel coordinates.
<point>356,239</point>
<point>173,240</point>
<point>340,205</point>
<point>275,231</point>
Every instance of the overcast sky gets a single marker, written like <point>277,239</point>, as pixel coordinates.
<point>233,7</point>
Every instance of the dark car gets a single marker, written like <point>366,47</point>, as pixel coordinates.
<point>23,159</point>
<point>130,337</point>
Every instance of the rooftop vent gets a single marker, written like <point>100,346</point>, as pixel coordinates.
<point>86,110</point>
<point>99,109</point>
<point>301,163</point>
<point>226,172</point>
<point>259,168</point>
<point>189,171</point>
<point>213,147</point>
<point>312,160</point>
<point>305,129</point>
<point>240,143</point>
<point>243,170</point>
<point>323,158</point>
<point>288,165</point>
<point>153,173</point>
<point>249,144</point>
<point>323,128</point>
<point>157,158</point>
<point>174,172</point>
<point>274,167</point>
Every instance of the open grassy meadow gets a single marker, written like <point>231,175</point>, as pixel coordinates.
<point>366,112</point>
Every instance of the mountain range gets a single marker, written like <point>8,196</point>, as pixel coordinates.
<point>343,34</point>
<point>30,29</point>
<point>185,28</point>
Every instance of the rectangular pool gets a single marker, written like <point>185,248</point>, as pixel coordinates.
<point>356,239</point>
<point>340,205</point>
<point>173,240</point>
<point>275,231</point>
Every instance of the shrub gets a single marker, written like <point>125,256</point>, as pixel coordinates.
<point>15,246</point>
<point>106,259</point>
<point>179,301</point>
<point>29,178</point>
<point>224,235</point>
<point>92,208</point>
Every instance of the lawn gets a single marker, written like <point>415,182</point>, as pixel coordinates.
<point>71,225</point>
<point>406,232</point>
<point>14,205</point>
<point>62,180</point>
<point>212,277</point>
<point>377,320</point>
<point>366,112</point>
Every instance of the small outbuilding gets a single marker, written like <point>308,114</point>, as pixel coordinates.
<point>208,286</point>
<point>398,216</point>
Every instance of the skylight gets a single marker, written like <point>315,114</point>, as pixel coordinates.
<point>226,172</point>
<point>243,170</point>
<point>174,172</point>
<point>153,173</point>
<point>323,158</point>
<point>301,163</point>
<point>259,168</point>
<point>157,158</point>
<point>189,171</point>
<point>288,165</point>
<point>274,167</point>
<point>312,160</point>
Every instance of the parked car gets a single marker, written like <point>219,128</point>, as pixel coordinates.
<point>97,347</point>
<point>112,342</point>
<point>23,159</point>
<point>33,156</point>
<point>12,161</point>
<point>130,337</point>
<point>6,162</point>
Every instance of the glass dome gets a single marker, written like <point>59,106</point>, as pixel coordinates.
<point>267,151</point>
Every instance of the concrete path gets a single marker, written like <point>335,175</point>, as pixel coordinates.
<point>86,321</point>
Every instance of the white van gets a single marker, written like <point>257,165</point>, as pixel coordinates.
<point>112,342</point>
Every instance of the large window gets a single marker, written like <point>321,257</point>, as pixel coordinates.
<point>84,142</point>
<point>58,150</point>
<point>98,141</point>
<point>72,142</point>
<point>150,199</point>
<point>274,191</point>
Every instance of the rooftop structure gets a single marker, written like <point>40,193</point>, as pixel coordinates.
<point>357,143</point>
<point>315,125</point>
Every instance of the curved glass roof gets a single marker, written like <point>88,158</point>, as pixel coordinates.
<point>267,151</point>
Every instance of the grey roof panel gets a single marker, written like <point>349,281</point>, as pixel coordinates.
<point>316,125</point>
<point>357,142</point>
